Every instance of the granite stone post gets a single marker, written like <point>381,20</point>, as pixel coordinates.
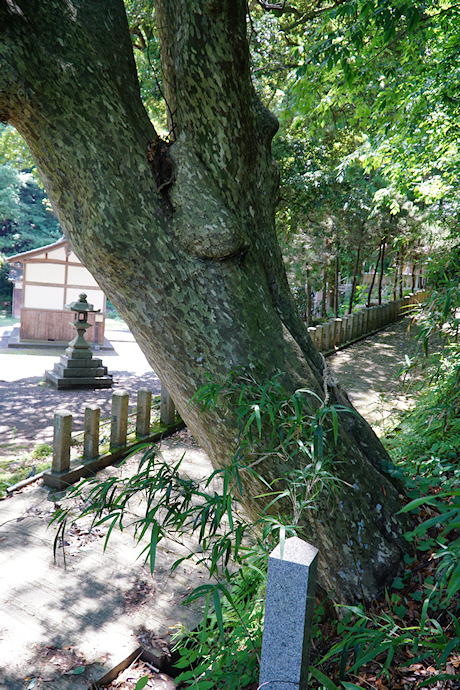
<point>91,432</point>
<point>144,406</point>
<point>312,334</point>
<point>61,441</point>
<point>167,408</point>
<point>291,584</point>
<point>119,419</point>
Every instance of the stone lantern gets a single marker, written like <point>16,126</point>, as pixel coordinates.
<point>78,368</point>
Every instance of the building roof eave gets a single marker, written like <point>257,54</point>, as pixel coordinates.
<point>23,256</point>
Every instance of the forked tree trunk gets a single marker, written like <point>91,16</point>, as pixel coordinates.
<point>182,238</point>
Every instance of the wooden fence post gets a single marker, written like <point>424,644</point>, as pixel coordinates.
<point>119,419</point>
<point>338,325</point>
<point>61,441</point>
<point>366,320</point>
<point>327,332</point>
<point>91,432</point>
<point>319,337</point>
<point>167,408</point>
<point>144,404</point>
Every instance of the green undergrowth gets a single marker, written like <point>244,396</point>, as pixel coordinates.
<point>14,470</point>
<point>411,639</point>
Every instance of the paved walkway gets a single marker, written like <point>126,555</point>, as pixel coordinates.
<point>371,373</point>
<point>97,609</point>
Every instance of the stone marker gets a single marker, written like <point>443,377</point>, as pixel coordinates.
<point>91,435</point>
<point>291,585</point>
<point>144,405</point>
<point>119,419</point>
<point>61,441</point>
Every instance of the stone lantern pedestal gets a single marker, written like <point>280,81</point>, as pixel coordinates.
<point>77,368</point>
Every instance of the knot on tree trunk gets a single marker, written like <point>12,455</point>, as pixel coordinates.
<point>160,162</point>
<point>203,224</point>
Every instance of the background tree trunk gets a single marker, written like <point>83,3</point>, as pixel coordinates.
<point>355,277</point>
<point>308,291</point>
<point>182,238</point>
<point>382,260</point>
<point>336,273</point>
<point>371,287</point>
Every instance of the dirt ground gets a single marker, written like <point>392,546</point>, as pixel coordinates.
<point>371,371</point>
<point>28,403</point>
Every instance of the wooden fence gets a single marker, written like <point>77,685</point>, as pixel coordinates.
<point>96,455</point>
<point>335,333</point>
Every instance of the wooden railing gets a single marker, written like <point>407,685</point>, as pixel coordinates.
<point>336,333</point>
<point>98,454</point>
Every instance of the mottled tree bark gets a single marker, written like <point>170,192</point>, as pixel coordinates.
<point>182,238</point>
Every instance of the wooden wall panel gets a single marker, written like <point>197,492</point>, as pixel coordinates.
<point>38,324</point>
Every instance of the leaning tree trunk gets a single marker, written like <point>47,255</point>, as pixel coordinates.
<point>182,238</point>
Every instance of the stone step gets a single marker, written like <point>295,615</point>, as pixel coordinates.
<point>80,363</point>
<point>75,382</point>
<point>81,372</point>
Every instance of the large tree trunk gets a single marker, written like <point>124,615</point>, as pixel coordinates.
<point>182,238</point>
